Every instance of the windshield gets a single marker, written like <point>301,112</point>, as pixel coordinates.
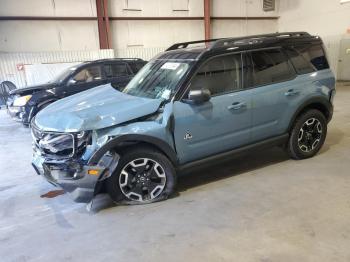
<point>157,79</point>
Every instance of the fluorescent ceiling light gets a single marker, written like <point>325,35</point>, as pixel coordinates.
<point>344,1</point>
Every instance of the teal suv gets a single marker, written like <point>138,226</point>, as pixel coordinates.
<point>194,104</point>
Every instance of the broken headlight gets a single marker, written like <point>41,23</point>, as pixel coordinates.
<point>57,144</point>
<point>62,144</point>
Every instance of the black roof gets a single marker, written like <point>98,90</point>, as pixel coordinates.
<point>195,49</point>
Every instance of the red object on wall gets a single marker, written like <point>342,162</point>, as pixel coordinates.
<point>20,67</point>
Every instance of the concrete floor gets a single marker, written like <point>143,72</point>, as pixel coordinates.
<point>262,207</point>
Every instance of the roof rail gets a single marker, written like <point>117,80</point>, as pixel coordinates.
<point>254,39</point>
<point>221,42</point>
<point>186,44</point>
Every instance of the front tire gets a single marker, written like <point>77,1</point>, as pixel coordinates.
<point>143,175</point>
<point>307,135</point>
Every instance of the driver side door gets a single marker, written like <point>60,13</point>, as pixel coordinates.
<point>220,124</point>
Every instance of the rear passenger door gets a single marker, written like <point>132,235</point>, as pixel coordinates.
<point>274,94</point>
<point>118,74</point>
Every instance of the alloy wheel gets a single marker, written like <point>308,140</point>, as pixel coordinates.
<point>142,179</point>
<point>310,135</point>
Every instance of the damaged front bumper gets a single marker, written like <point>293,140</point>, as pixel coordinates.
<point>80,181</point>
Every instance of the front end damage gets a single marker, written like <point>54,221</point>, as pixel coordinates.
<point>77,140</point>
<point>62,158</point>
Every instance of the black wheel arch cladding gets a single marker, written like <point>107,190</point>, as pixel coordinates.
<point>124,140</point>
<point>319,103</point>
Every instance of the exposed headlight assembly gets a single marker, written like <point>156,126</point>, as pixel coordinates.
<point>63,144</point>
<point>57,143</point>
<point>22,100</point>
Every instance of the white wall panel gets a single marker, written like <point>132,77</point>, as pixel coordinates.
<point>154,33</point>
<point>47,8</point>
<point>326,18</point>
<point>241,8</point>
<point>227,28</point>
<point>23,36</point>
<point>155,8</point>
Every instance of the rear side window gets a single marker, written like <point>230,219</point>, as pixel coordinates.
<point>307,58</point>
<point>270,66</point>
<point>135,67</point>
<point>116,70</point>
<point>220,75</point>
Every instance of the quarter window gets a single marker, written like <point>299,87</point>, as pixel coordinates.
<point>308,58</point>
<point>270,66</point>
<point>220,75</point>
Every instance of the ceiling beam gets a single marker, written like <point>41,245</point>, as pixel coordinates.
<point>130,18</point>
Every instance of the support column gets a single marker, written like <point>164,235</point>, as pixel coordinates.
<point>207,24</point>
<point>108,29</point>
<point>103,24</point>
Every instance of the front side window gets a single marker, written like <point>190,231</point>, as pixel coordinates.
<point>158,79</point>
<point>86,75</point>
<point>270,66</point>
<point>220,75</point>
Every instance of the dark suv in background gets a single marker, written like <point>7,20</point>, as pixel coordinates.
<point>25,103</point>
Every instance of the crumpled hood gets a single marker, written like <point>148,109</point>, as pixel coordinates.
<point>32,89</point>
<point>97,108</point>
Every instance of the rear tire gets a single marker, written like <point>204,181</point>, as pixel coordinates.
<point>307,135</point>
<point>143,175</point>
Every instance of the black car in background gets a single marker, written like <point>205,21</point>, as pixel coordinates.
<point>23,104</point>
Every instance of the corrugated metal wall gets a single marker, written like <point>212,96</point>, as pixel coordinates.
<point>9,62</point>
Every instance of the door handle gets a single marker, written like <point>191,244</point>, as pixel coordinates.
<point>236,105</point>
<point>291,92</point>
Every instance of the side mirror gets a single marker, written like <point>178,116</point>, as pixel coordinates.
<point>199,96</point>
<point>71,82</point>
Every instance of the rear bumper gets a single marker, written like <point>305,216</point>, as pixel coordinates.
<point>72,177</point>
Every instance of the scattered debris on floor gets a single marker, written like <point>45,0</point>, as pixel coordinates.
<point>52,194</point>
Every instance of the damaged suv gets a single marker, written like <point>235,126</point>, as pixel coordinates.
<point>196,103</point>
